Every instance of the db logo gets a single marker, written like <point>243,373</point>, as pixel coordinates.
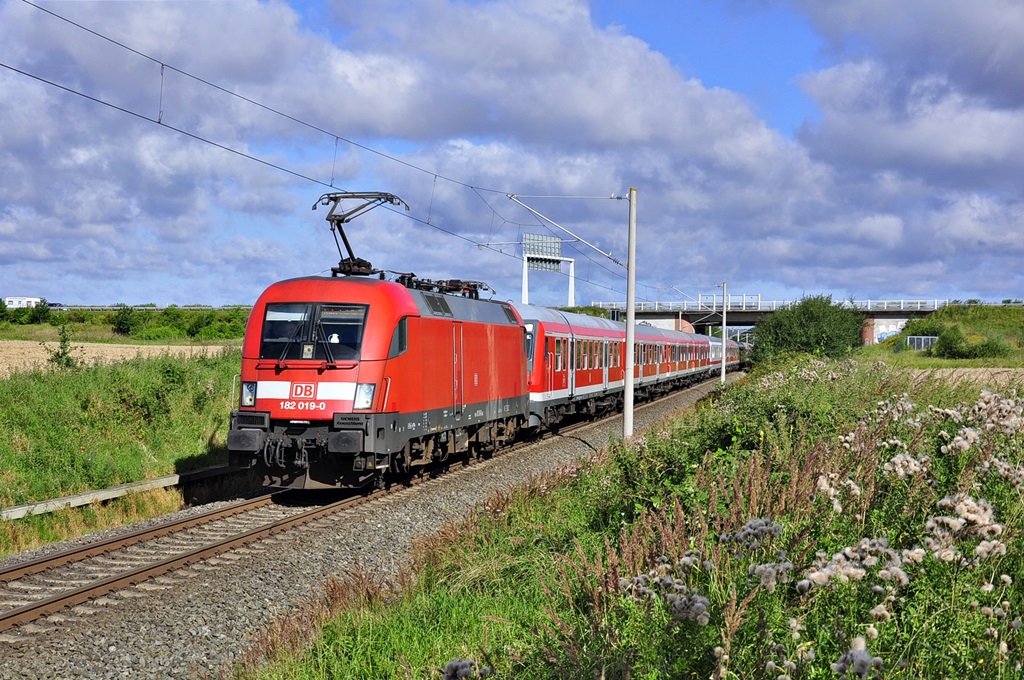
<point>303,390</point>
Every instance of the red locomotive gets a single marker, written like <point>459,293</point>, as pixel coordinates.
<point>346,379</point>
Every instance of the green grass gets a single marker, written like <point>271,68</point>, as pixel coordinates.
<point>778,512</point>
<point>91,427</point>
<point>978,323</point>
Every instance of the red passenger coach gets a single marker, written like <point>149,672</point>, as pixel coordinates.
<point>576,363</point>
<point>344,379</point>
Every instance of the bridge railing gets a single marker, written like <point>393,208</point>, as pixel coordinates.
<point>754,303</point>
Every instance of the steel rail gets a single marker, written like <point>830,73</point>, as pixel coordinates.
<point>84,552</point>
<point>70,598</point>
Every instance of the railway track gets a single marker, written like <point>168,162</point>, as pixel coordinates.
<point>33,589</point>
<point>47,585</point>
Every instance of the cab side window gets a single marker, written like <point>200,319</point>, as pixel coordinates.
<point>399,339</point>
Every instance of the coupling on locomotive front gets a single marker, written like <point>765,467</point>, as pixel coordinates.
<point>346,379</point>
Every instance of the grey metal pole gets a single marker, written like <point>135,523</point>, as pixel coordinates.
<point>627,407</point>
<point>526,279</point>
<point>725,306</point>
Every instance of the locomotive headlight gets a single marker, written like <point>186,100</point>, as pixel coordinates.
<point>248,394</point>
<point>364,396</point>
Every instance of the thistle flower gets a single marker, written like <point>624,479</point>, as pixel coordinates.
<point>880,613</point>
<point>857,662</point>
<point>456,669</point>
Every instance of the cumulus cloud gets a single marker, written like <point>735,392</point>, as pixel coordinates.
<point>914,157</point>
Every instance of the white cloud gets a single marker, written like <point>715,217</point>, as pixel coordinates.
<point>915,156</point>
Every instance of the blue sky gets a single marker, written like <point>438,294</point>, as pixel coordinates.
<point>788,147</point>
<point>754,49</point>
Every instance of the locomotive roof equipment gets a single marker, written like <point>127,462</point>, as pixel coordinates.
<point>352,265</point>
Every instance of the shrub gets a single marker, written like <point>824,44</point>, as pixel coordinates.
<point>925,326</point>
<point>124,320</point>
<point>991,347</point>
<point>158,333</point>
<point>953,344</point>
<point>63,357</point>
<point>220,330</point>
<point>40,313</point>
<point>814,325</point>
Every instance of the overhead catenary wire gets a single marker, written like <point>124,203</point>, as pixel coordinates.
<point>159,120</point>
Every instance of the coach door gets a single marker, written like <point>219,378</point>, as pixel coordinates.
<point>574,358</point>
<point>551,358</point>
<point>604,363</point>
<point>458,398</point>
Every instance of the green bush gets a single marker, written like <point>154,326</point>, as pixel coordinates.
<point>992,347</point>
<point>953,344</point>
<point>814,326</point>
<point>220,330</point>
<point>40,313</point>
<point>125,320</point>
<point>927,326</point>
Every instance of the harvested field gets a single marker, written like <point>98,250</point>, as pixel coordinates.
<point>25,354</point>
<point>989,378</point>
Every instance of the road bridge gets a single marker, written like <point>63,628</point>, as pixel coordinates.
<point>882,317</point>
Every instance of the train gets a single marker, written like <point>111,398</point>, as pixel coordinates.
<point>351,381</point>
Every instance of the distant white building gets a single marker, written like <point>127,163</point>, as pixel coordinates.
<point>18,302</point>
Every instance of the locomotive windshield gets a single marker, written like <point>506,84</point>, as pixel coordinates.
<point>314,331</point>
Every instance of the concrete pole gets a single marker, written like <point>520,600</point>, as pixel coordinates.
<point>627,407</point>
<point>725,305</point>
<point>572,282</point>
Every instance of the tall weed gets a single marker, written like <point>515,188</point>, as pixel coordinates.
<point>824,519</point>
<point>89,427</point>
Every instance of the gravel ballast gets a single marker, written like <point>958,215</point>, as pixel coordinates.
<point>196,621</point>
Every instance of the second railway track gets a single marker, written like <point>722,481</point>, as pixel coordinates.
<point>46,585</point>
